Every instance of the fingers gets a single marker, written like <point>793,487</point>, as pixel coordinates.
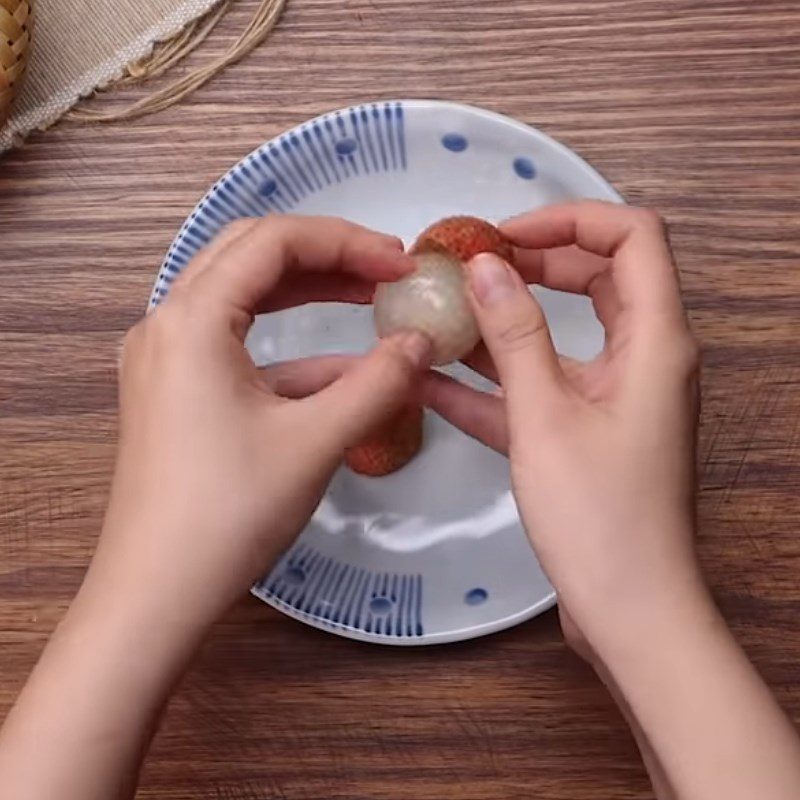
<point>643,272</point>
<point>208,253</point>
<point>305,376</point>
<point>480,415</point>
<point>578,373</point>
<point>297,289</point>
<point>515,332</point>
<point>570,269</point>
<point>480,360</point>
<point>251,263</point>
<point>369,391</point>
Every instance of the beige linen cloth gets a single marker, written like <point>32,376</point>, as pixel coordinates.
<point>79,45</point>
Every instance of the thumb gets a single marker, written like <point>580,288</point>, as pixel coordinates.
<point>515,332</point>
<point>377,385</point>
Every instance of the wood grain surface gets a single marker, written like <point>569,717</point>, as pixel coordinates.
<point>690,106</point>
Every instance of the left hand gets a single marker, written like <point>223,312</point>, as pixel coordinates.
<point>216,474</point>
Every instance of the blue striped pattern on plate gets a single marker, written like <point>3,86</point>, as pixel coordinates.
<point>339,595</point>
<point>324,151</point>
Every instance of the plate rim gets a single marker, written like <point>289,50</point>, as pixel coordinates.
<point>444,637</point>
<point>434,638</point>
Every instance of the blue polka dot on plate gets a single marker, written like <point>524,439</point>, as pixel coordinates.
<point>476,596</point>
<point>524,168</point>
<point>267,188</point>
<point>346,147</point>
<point>380,605</point>
<point>454,142</point>
<point>295,575</point>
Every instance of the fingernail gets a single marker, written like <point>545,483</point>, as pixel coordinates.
<point>417,347</point>
<point>490,279</point>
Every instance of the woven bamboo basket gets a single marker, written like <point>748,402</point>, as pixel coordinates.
<point>15,37</point>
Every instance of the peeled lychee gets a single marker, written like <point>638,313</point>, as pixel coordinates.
<point>432,299</point>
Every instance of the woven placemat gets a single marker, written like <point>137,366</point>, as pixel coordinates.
<point>81,46</point>
<point>15,25</point>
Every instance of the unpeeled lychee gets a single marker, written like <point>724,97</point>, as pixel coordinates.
<point>389,447</point>
<point>464,237</point>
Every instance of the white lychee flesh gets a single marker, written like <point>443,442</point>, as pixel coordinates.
<point>432,299</point>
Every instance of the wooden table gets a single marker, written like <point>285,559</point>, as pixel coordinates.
<point>690,106</point>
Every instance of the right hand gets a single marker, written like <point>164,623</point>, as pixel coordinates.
<point>602,453</point>
<point>602,459</point>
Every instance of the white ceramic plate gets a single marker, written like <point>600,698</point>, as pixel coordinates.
<point>434,553</point>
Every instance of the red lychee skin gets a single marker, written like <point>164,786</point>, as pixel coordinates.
<point>464,237</point>
<point>390,447</point>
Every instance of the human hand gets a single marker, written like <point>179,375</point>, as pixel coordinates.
<point>215,473</point>
<point>602,453</point>
<point>602,463</point>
